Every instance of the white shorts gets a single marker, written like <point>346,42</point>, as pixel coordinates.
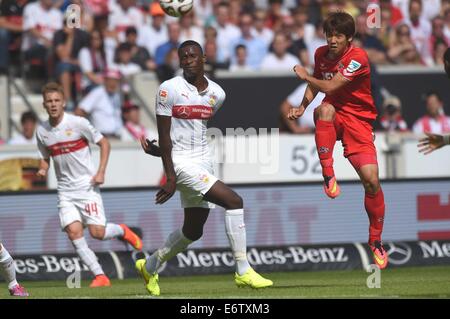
<point>85,207</point>
<point>193,181</point>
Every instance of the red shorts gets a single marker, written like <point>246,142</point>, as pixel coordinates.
<point>355,134</point>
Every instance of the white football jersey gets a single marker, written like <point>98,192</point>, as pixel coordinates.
<point>68,145</point>
<point>190,111</point>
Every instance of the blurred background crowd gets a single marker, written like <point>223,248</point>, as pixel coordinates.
<point>117,39</point>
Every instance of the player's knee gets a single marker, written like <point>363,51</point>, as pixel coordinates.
<point>325,112</point>
<point>97,233</point>
<point>371,184</point>
<point>235,202</point>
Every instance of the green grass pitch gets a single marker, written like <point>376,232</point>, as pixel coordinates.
<point>417,282</point>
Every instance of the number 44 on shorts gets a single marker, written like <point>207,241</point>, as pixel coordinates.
<point>91,208</point>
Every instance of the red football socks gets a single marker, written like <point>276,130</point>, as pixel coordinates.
<point>374,204</point>
<point>325,140</point>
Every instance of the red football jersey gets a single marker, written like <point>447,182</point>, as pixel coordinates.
<point>355,97</point>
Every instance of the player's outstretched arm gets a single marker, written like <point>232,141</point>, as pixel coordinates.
<point>149,147</point>
<point>296,112</point>
<point>432,142</point>
<point>325,86</point>
<point>44,165</point>
<point>165,144</point>
<point>105,149</point>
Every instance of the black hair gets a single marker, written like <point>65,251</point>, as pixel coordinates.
<point>431,93</point>
<point>189,43</point>
<point>28,116</point>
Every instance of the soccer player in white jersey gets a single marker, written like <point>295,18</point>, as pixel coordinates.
<point>183,106</point>
<point>65,138</point>
<point>8,272</point>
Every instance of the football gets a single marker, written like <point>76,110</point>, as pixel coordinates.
<point>176,8</point>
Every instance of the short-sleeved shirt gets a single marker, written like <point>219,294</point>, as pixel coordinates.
<point>356,96</point>
<point>80,40</point>
<point>190,111</point>
<point>104,110</point>
<point>68,145</point>
<point>46,21</point>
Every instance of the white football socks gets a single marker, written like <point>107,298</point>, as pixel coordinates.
<point>175,243</point>
<point>235,228</point>
<point>87,256</point>
<point>7,268</point>
<point>113,231</point>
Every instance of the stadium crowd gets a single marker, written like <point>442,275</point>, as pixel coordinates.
<point>128,36</point>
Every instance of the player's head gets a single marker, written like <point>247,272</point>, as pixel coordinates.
<point>54,102</point>
<point>191,58</point>
<point>447,62</point>
<point>339,29</point>
<point>434,103</point>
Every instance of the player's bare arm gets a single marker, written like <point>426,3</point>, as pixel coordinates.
<point>432,142</point>
<point>310,94</point>
<point>105,149</point>
<point>44,165</point>
<point>165,143</point>
<point>80,112</point>
<point>149,147</point>
<point>325,86</point>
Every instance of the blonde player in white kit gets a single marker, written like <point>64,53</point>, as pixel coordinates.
<point>65,138</point>
<point>183,106</point>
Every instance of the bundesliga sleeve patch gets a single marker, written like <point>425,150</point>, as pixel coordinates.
<point>163,95</point>
<point>353,66</point>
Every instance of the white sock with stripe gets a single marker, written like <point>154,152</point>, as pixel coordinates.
<point>175,243</point>
<point>87,256</point>
<point>113,231</point>
<point>235,228</point>
<point>7,268</point>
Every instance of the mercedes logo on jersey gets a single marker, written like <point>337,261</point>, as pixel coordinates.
<point>184,112</point>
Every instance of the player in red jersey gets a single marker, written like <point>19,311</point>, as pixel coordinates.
<point>342,72</point>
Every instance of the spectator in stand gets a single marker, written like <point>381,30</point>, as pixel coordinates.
<point>123,62</point>
<point>402,49</point>
<point>241,60</point>
<point>124,15</point>
<point>447,62</point>
<point>226,32</point>
<point>103,106</point>
<point>256,47</point>
<point>110,38</point>
<point>211,36</point>
<point>275,15</point>
<point>173,43</point>
<point>392,119</point>
<point>139,54</point>
<point>153,35</point>
<point>170,67</point>
<point>28,120</point>
<point>435,121</point>
<point>280,59</point>
<point>40,22</point>
<point>302,29</point>
<point>189,31</point>
<point>438,39</point>
<point>447,23</point>
<point>372,45</point>
<point>211,64</point>
<point>395,14</point>
<point>11,18</point>
<point>93,62</point>
<point>317,41</point>
<point>304,124</point>
<point>203,11</point>
<point>420,29</point>
<point>133,130</point>
<point>259,29</point>
<point>68,43</point>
